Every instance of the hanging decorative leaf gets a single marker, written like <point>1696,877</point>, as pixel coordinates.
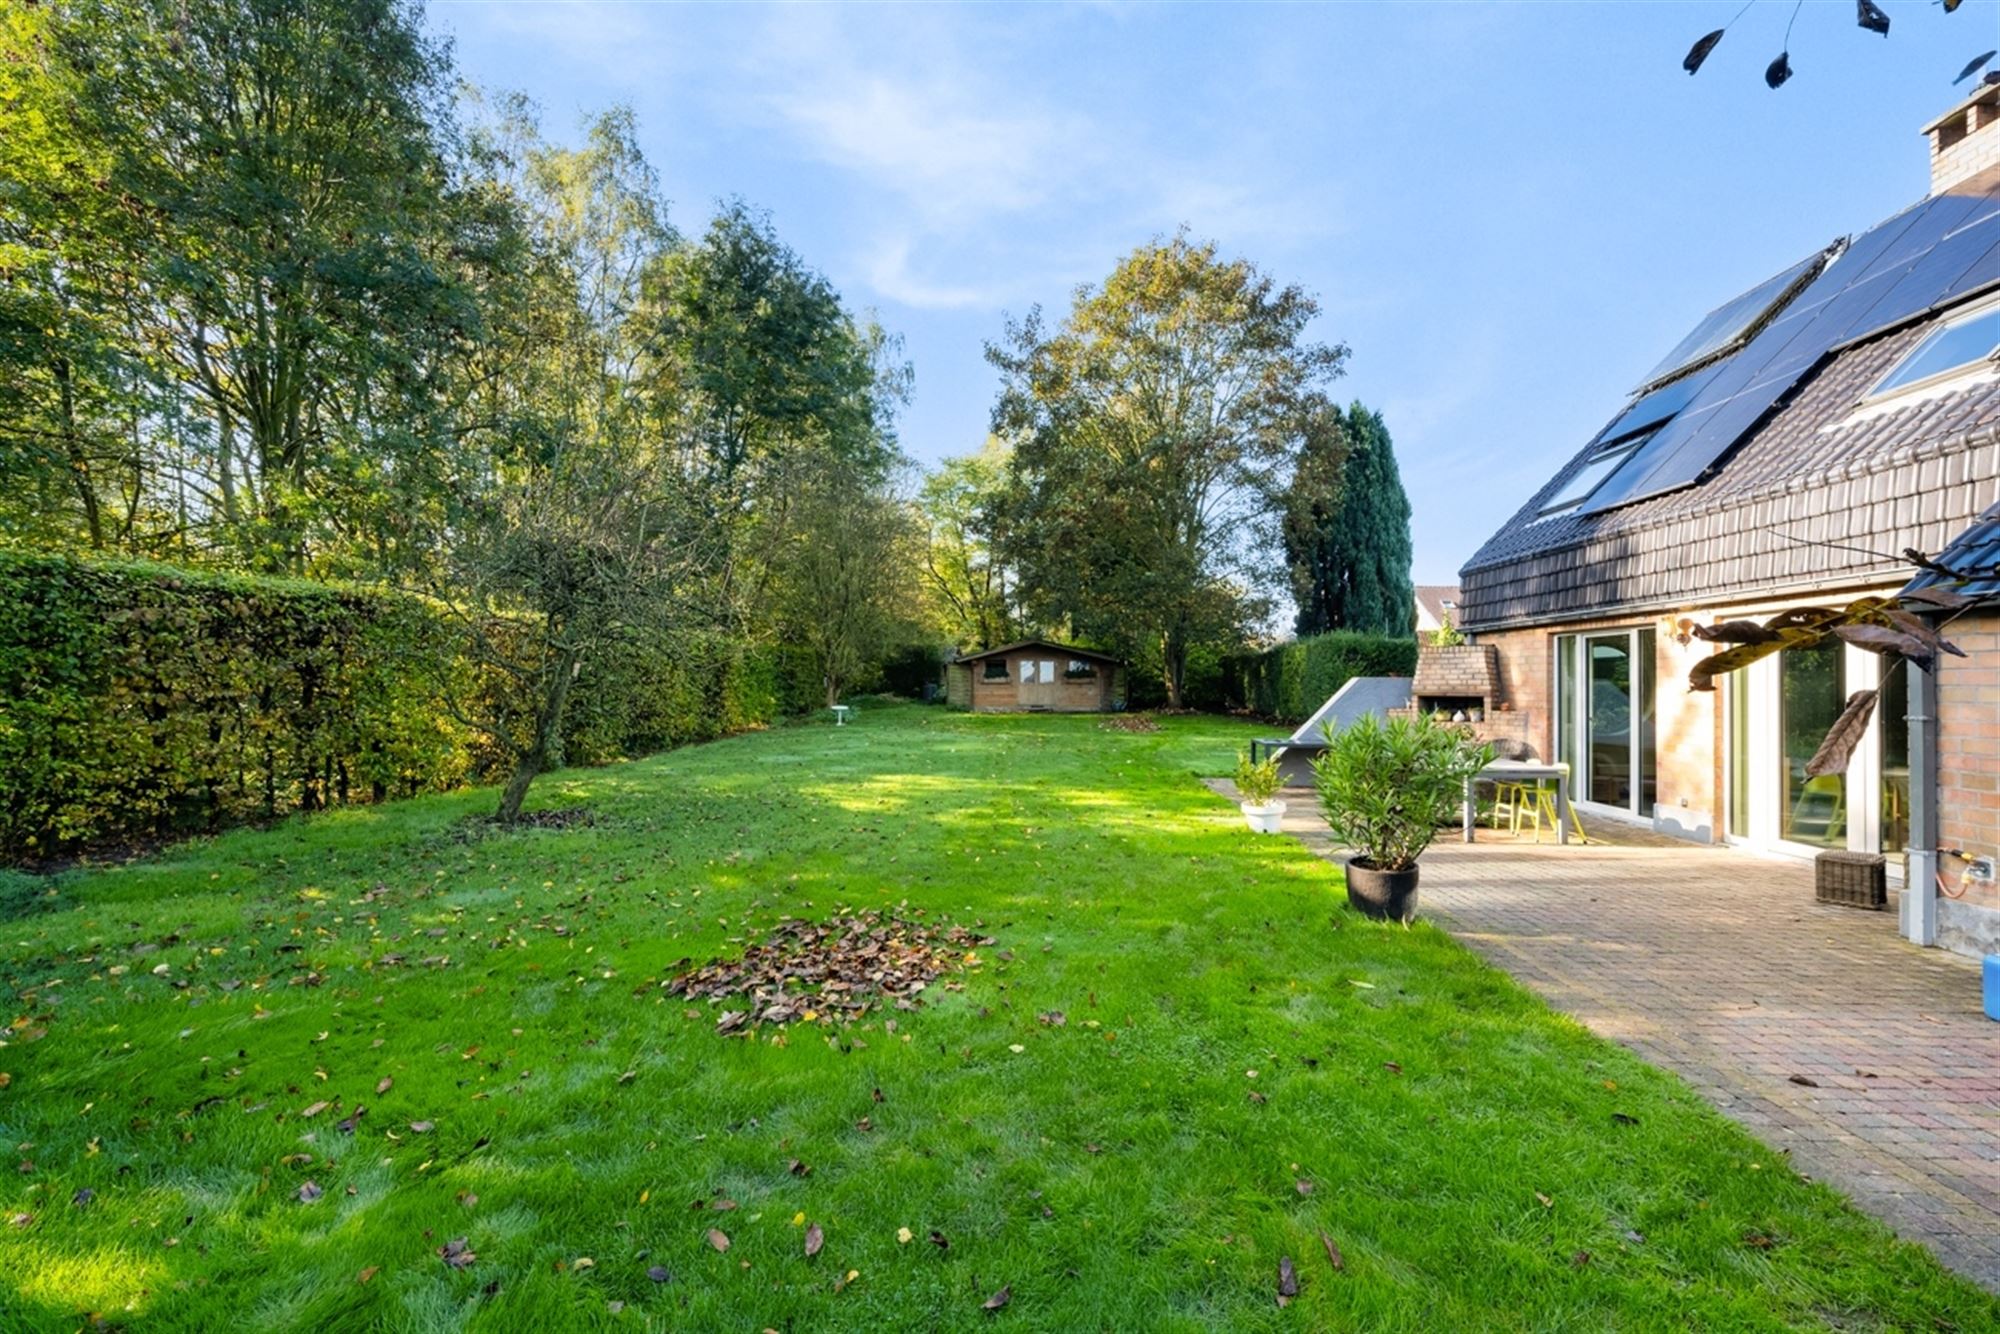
<point>1881,639</point>
<point>1938,595</point>
<point>1915,627</point>
<point>1870,16</point>
<point>1973,66</point>
<point>1699,51</point>
<point>1778,70</point>
<point>1734,632</point>
<point>1951,6</point>
<point>1845,734</point>
<point>1702,675</point>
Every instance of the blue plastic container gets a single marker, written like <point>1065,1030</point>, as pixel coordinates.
<point>1991,970</point>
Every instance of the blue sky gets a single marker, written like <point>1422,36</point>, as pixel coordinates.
<point>1509,212</point>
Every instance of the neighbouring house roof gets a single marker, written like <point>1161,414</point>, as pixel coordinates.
<point>1799,484</point>
<point>1070,650</point>
<point>1439,601</point>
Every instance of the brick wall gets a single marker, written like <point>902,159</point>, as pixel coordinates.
<point>1462,671</point>
<point>1965,141</point>
<point>1969,747</point>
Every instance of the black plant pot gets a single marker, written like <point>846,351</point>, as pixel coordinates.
<point>1390,895</point>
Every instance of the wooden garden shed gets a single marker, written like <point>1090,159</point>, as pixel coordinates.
<point>1035,676</point>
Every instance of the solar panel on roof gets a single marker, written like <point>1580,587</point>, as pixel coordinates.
<point>1923,258</point>
<point>1659,405</point>
<point>1730,321</point>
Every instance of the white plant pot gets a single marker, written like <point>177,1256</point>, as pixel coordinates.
<point>1264,819</point>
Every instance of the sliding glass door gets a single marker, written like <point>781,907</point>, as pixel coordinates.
<point>1604,718</point>
<point>1778,712</point>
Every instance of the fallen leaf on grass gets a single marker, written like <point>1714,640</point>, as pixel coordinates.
<point>83,1197</point>
<point>370,1272</point>
<point>939,1240</point>
<point>799,1169</point>
<point>316,1109</point>
<point>309,1192</point>
<point>1333,1254</point>
<point>1392,1067</point>
<point>718,1239</point>
<point>660,1274</point>
<point>1757,1241</point>
<point>422,1127</point>
<point>998,1299</point>
<point>1288,1281</point>
<point>1624,1119</point>
<point>814,1240</point>
<point>584,1262</point>
<point>1580,1259</point>
<point>1303,1186</point>
<point>1258,1098</point>
<point>1547,1203</point>
<point>383,1087</point>
<point>458,1253</point>
<point>904,1236</point>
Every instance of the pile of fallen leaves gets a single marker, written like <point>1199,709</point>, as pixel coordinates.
<point>834,971</point>
<point>1129,722</point>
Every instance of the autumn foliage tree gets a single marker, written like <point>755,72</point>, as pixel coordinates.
<point>1152,432</point>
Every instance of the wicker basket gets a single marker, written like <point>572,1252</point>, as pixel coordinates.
<point>1855,879</point>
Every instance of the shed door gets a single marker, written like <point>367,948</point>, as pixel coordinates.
<point>1039,688</point>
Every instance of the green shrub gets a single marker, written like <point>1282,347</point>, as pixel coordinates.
<point>1386,787</point>
<point>141,700</point>
<point>1290,681</point>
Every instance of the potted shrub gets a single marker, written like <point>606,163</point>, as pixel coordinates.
<point>1258,784</point>
<point>1386,788</point>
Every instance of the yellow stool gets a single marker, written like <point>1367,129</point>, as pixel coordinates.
<point>1539,804</point>
<point>1507,798</point>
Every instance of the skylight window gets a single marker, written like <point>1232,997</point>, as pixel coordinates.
<point>1946,349</point>
<point>1603,461</point>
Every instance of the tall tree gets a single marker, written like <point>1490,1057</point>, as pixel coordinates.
<point>1347,529</point>
<point>264,187</point>
<point>1150,433</point>
<point>766,368</point>
<point>968,585</point>
<point>582,517</point>
<point>844,576</point>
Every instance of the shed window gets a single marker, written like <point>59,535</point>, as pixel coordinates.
<point>996,670</point>
<point>1080,669</point>
<point>1027,671</point>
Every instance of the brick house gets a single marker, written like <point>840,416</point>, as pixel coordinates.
<point>1800,437</point>
<point>1035,676</point>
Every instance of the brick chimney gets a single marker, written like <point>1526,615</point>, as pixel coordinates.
<point>1966,139</point>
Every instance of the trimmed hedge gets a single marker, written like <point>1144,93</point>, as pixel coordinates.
<point>141,700</point>
<point>1289,681</point>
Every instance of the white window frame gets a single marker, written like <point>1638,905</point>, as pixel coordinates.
<point>1863,799</point>
<point>1573,645</point>
<point>1984,367</point>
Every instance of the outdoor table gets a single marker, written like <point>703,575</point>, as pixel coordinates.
<point>1523,771</point>
<point>1271,745</point>
<point>840,714</point>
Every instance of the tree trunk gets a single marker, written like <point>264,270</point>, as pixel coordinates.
<point>548,732</point>
<point>1173,666</point>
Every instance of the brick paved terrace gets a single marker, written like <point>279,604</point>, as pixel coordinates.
<point>1863,1057</point>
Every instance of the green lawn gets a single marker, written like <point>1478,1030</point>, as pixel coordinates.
<point>1233,1031</point>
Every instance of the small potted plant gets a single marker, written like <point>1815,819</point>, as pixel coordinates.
<point>1257,784</point>
<point>1386,788</point>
